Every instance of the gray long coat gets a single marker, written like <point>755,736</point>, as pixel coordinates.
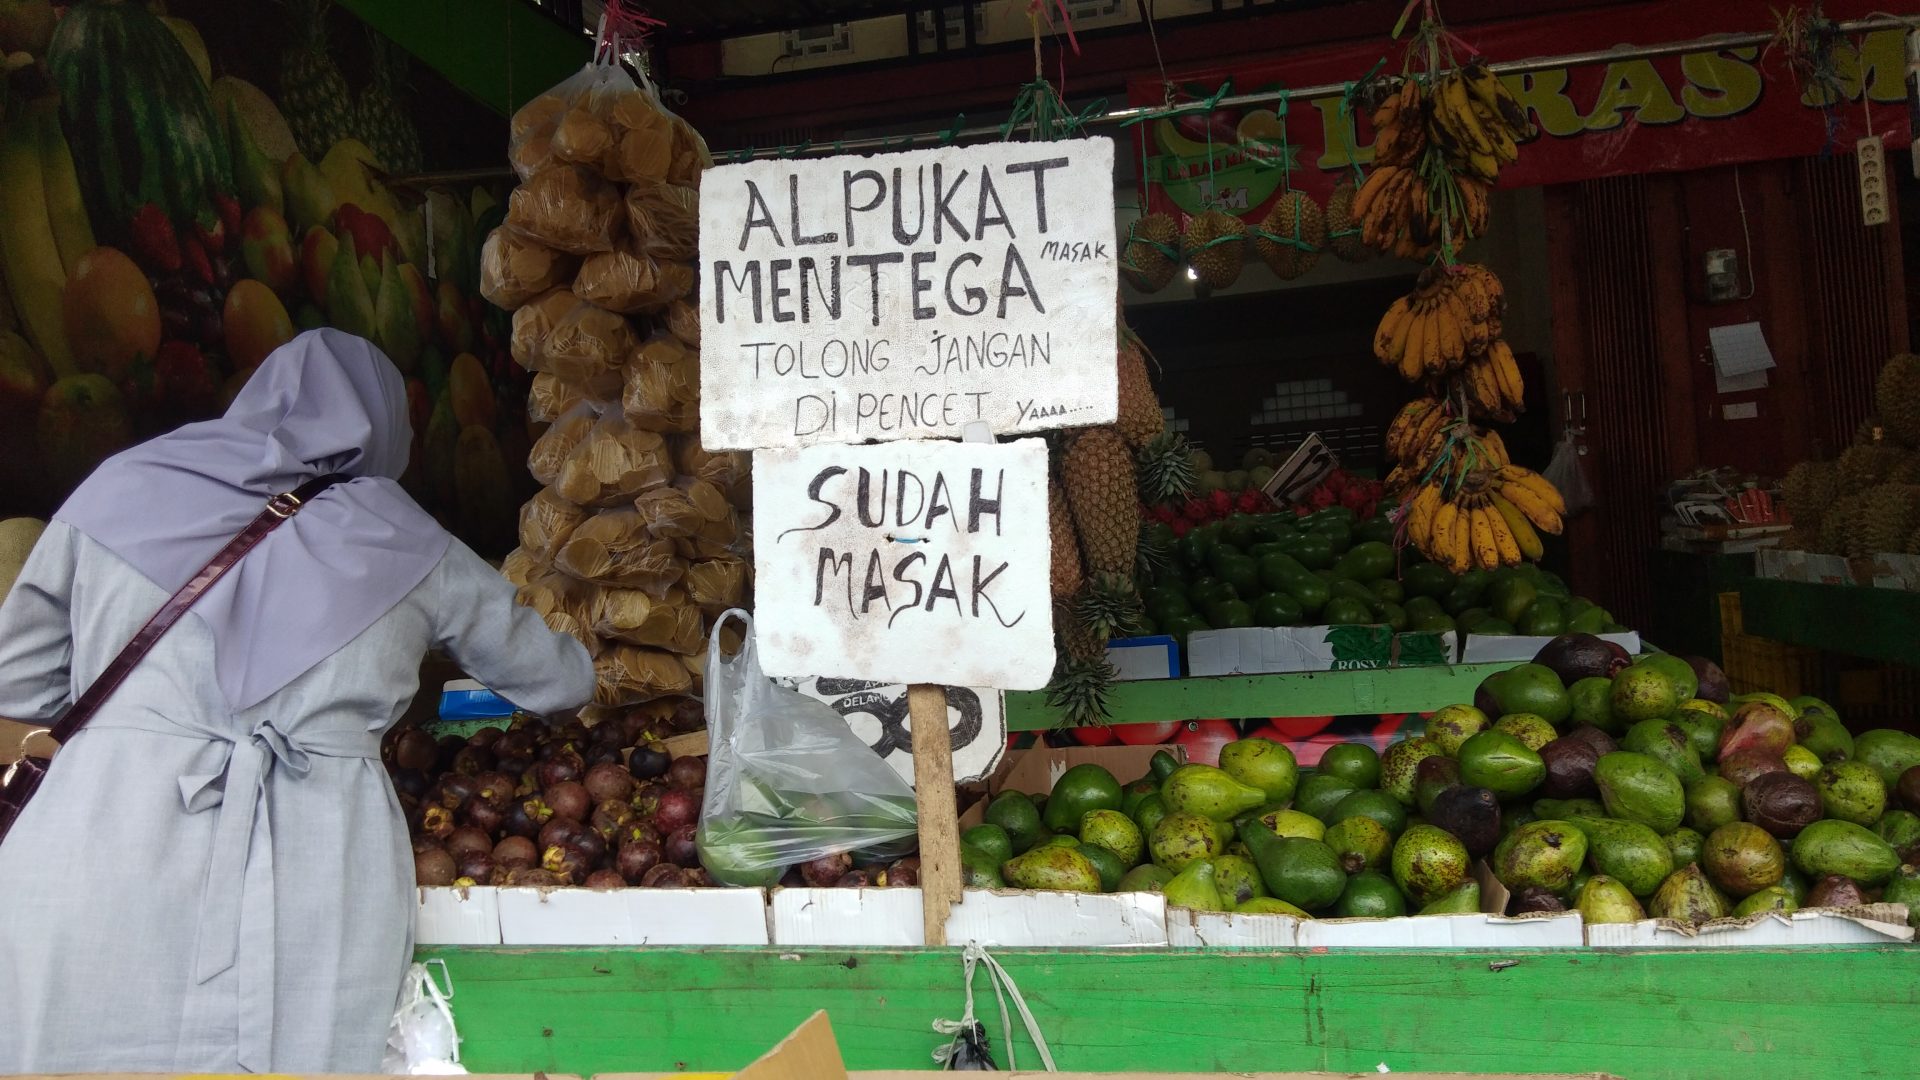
<point>197,890</point>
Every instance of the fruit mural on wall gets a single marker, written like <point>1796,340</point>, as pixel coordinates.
<point>164,225</point>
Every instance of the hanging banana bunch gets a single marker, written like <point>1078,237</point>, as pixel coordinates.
<point>1468,505</point>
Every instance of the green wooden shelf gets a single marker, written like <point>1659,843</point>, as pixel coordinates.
<point>1702,1014</point>
<point>1318,693</point>
<point>1878,624</point>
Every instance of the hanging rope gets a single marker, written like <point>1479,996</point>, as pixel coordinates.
<point>966,1028</point>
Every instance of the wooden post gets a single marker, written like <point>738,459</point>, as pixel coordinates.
<point>939,821</point>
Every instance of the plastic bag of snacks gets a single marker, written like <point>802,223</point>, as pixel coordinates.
<point>552,449</point>
<point>569,208</point>
<point>667,512</point>
<point>573,122</point>
<point>663,386</point>
<point>630,674</point>
<point>653,143</point>
<point>551,397</point>
<point>613,464</point>
<point>565,605</point>
<point>718,584</point>
<point>613,548</point>
<point>515,268</point>
<point>664,219</point>
<point>629,280</point>
<point>683,321</point>
<point>545,523</point>
<point>565,335</point>
<point>637,617</point>
<point>723,470</point>
<point>520,568</point>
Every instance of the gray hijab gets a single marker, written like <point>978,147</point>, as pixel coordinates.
<point>325,402</point>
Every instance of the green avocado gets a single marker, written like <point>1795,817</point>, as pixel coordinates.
<point>1627,852</point>
<point>1342,611</point>
<point>1429,580</point>
<point>1500,763</point>
<point>1639,788</point>
<point>991,840</point>
<point>1841,847</point>
<point>1304,873</point>
<point>1017,817</point>
<point>1080,791</point>
<point>1370,895</point>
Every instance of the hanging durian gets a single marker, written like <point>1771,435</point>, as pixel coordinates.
<point>1897,399</point>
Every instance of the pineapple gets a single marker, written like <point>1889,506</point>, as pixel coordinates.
<point>1149,258</point>
<point>313,94</point>
<point>1166,469</point>
<point>1108,607</point>
<point>1098,476</point>
<point>1216,247</point>
<point>1081,676</point>
<point>1065,568</point>
<point>378,119</point>
<point>1140,416</point>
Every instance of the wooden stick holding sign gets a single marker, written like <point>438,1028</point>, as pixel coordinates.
<point>939,816</point>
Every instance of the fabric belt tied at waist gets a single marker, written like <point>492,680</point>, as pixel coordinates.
<point>237,917</point>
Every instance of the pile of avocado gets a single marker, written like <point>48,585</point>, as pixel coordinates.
<point>1620,793</point>
<point>1328,568</point>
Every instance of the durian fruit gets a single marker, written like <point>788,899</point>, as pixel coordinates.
<point>1148,260</point>
<point>1097,472</point>
<point>1343,230</point>
<point>1215,245</point>
<point>1165,469</point>
<point>1140,416</point>
<point>1064,572</point>
<point>1884,520</point>
<point>1297,221</point>
<point>1800,538</point>
<point>1867,463</point>
<point>1810,488</point>
<point>1833,527</point>
<point>1896,398</point>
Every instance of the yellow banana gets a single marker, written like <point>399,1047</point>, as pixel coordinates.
<point>1520,528</point>
<point>1460,543</point>
<point>1441,530</point>
<point>1416,346</point>
<point>34,270</point>
<point>1486,553</point>
<point>1465,121</point>
<point>1537,484</point>
<point>1420,517</point>
<point>1544,517</point>
<point>1503,538</point>
<point>66,213</point>
<point>1391,338</point>
<point>1495,446</point>
<point>1433,361</point>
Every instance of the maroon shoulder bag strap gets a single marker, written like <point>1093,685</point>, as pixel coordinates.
<point>21,779</point>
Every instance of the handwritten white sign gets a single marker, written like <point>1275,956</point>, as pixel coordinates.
<point>912,562</point>
<point>901,296</point>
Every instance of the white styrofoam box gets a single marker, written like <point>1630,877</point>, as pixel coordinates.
<point>1064,919</point>
<point>1156,656</point>
<point>1189,928</point>
<point>1872,924</point>
<point>1482,649</point>
<point>633,917</point>
<point>894,916</point>
<point>1468,931</point>
<point>1260,650</point>
<point>457,916</point>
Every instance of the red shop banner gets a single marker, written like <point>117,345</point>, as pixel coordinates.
<point>1688,111</point>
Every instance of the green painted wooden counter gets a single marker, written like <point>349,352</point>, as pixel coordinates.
<point>1236,697</point>
<point>1878,624</point>
<point>1706,1014</point>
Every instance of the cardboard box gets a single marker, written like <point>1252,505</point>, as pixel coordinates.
<point>1156,656</point>
<point>1187,928</point>
<point>457,916</point>
<point>1035,771</point>
<point>1279,649</point>
<point>1871,924</point>
<point>1482,649</point>
<point>633,917</point>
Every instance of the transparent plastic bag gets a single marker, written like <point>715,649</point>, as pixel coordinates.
<point>1568,473</point>
<point>723,469</point>
<point>662,391</point>
<point>422,1040</point>
<point>614,464</point>
<point>573,122</point>
<point>631,674</point>
<point>664,219</point>
<point>520,567</point>
<point>718,584</point>
<point>552,397</point>
<point>683,322</point>
<point>613,548</point>
<point>568,208</point>
<point>515,268</point>
<point>630,280</point>
<point>652,143</point>
<point>546,520</point>
<point>569,337</point>
<point>637,617</point>
<point>787,780</point>
<point>552,449</point>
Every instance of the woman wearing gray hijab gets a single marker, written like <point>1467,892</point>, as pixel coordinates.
<point>215,875</point>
